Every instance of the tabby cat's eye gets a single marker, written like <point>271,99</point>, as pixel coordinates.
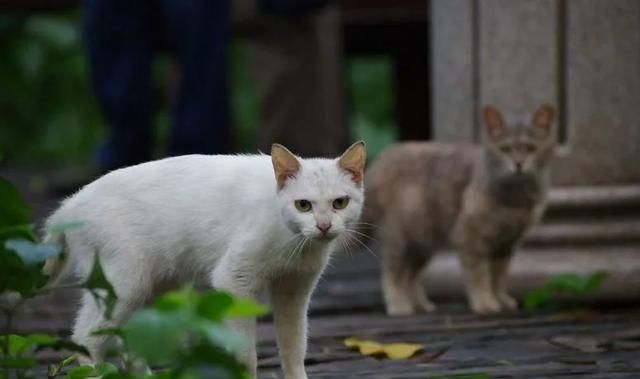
<point>529,148</point>
<point>341,202</point>
<point>303,205</point>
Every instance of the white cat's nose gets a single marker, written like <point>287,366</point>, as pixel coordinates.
<point>324,227</point>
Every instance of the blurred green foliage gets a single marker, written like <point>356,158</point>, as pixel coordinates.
<point>48,115</point>
<point>372,102</point>
<point>563,284</point>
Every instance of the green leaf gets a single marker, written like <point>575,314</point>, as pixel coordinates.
<point>212,361</point>
<point>576,283</point>
<point>567,282</point>
<point>223,337</point>
<point>594,281</point>
<point>537,299</point>
<point>68,360</point>
<point>17,276</point>
<point>245,308</point>
<point>100,288</point>
<point>105,369</point>
<point>572,283</point>
<point>17,362</point>
<point>17,344</point>
<point>55,369</point>
<point>214,305</point>
<point>177,300</point>
<point>81,373</point>
<point>13,209</point>
<point>32,253</point>
<point>154,335</point>
<point>43,341</point>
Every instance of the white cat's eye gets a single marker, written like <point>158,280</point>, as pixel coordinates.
<point>303,205</point>
<point>341,202</point>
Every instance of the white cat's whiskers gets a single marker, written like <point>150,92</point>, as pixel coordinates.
<point>364,235</point>
<point>352,236</point>
<point>366,224</point>
<point>345,246</point>
<point>296,250</point>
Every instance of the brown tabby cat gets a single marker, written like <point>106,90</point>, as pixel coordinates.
<point>480,199</point>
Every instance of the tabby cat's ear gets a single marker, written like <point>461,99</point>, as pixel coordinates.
<point>285,164</point>
<point>353,161</point>
<point>493,121</point>
<point>543,118</point>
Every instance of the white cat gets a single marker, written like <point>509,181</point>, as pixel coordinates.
<point>224,219</point>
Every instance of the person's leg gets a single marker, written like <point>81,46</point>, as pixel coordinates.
<point>198,33</point>
<point>118,46</point>
<point>297,63</point>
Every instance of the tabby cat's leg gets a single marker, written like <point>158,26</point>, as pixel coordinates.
<point>421,301</point>
<point>477,266</point>
<point>401,270</point>
<point>499,274</point>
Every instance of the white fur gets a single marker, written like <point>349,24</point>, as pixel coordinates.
<point>217,219</point>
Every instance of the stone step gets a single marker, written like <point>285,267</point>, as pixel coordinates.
<point>596,201</point>
<point>531,268</point>
<point>578,232</point>
<point>353,282</point>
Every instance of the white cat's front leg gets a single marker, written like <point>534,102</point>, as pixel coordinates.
<point>245,326</point>
<point>290,296</point>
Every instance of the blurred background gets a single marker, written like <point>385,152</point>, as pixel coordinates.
<point>89,86</point>
<point>49,116</point>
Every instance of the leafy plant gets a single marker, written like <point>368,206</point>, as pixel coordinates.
<point>568,283</point>
<point>183,331</point>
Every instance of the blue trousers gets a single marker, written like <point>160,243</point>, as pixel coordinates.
<point>122,37</point>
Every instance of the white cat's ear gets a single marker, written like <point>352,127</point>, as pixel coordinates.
<point>543,118</point>
<point>353,161</point>
<point>493,121</point>
<point>285,164</point>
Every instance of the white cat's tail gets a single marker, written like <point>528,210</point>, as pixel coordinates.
<point>54,266</point>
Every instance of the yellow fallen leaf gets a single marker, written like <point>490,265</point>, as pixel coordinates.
<point>393,351</point>
<point>402,350</point>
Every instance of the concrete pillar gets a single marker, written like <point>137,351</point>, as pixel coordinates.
<point>603,94</point>
<point>581,55</point>
<point>453,101</point>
